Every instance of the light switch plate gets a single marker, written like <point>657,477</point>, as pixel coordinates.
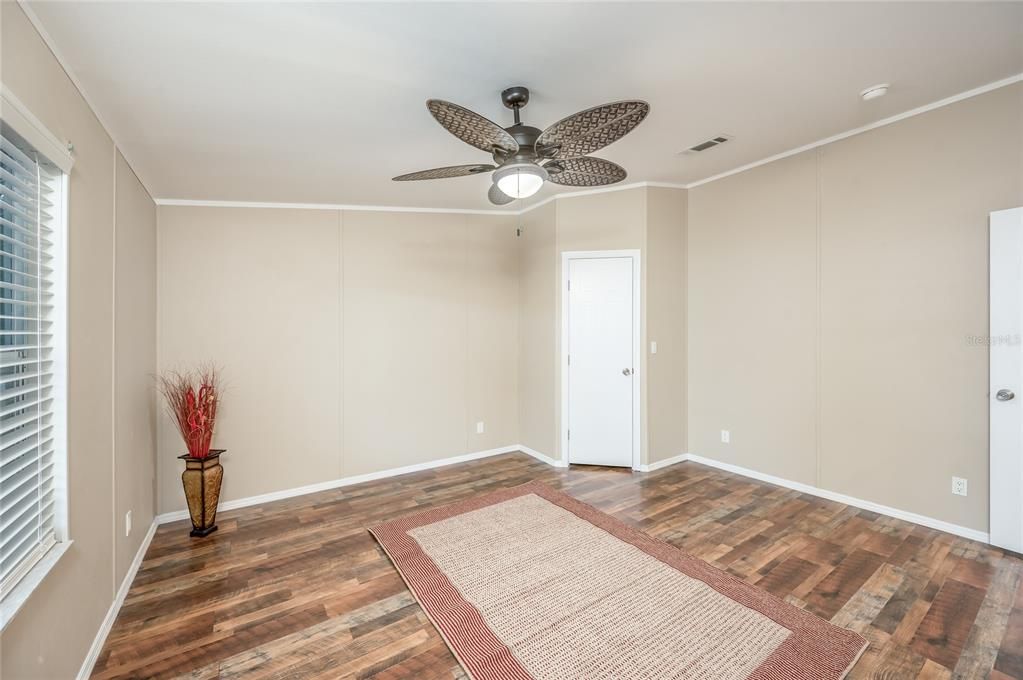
<point>725,436</point>
<point>127,523</point>
<point>480,427</point>
<point>653,347</point>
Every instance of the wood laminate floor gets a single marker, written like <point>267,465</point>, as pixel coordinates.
<point>299,589</point>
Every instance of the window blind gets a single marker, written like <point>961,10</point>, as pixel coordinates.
<point>30,205</point>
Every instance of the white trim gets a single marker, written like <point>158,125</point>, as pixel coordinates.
<point>905,515</point>
<point>1005,440</point>
<point>113,374</point>
<point>23,121</point>
<point>662,463</point>
<point>202,203</point>
<point>26,585</point>
<point>347,481</point>
<point>322,206</point>
<point>52,45</point>
<point>637,345</point>
<point>108,621</point>
<point>1011,80</point>
<point>542,457</point>
<point>61,334</point>
<point>39,565</point>
<point>599,190</point>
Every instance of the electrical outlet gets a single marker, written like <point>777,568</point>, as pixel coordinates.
<point>725,436</point>
<point>959,486</point>
<point>127,523</point>
<point>479,427</point>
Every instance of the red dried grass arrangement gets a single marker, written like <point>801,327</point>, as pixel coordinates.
<point>191,399</point>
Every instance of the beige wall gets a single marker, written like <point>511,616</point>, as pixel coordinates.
<point>831,295</point>
<point>256,292</point>
<point>608,221</point>
<point>538,398</point>
<point>631,219</point>
<point>430,337</point>
<point>492,271</point>
<point>665,323</point>
<point>406,329</point>
<point>350,342</point>
<point>615,220</point>
<point>904,281</point>
<point>50,636</point>
<point>752,319</point>
<point>135,407</point>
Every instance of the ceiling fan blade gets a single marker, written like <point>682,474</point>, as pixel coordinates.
<point>498,197</point>
<point>444,173</point>
<point>585,171</point>
<point>471,127</point>
<point>590,130</point>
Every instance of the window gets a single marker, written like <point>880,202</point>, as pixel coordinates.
<point>32,354</point>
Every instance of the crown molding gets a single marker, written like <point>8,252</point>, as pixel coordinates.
<point>199,203</point>
<point>55,51</point>
<point>190,203</point>
<point>599,190</point>
<point>998,84</point>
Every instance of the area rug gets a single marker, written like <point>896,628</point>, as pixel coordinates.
<point>529,583</point>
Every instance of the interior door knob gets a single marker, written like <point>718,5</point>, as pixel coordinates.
<point>626,371</point>
<point>1005,395</point>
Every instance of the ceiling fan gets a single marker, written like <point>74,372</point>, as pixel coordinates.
<point>525,157</point>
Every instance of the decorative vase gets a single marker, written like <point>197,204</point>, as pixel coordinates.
<point>201,479</point>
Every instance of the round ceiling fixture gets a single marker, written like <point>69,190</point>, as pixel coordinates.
<point>520,180</point>
<point>874,91</point>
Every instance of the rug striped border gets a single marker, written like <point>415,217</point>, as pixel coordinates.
<point>815,650</point>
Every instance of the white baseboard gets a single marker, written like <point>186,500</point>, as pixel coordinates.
<point>359,479</point>
<point>108,621</point>
<point>542,457</point>
<point>940,525</point>
<point>662,463</point>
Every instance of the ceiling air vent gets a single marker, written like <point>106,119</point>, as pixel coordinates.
<point>709,144</point>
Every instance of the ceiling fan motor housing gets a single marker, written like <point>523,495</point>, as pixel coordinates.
<point>526,136</point>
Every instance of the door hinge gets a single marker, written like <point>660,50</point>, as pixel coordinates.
<point>568,434</point>
<point>570,284</point>
<point>569,359</point>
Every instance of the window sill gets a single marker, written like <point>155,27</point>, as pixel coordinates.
<point>16,599</point>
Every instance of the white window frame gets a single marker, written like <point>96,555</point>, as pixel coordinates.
<point>19,118</point>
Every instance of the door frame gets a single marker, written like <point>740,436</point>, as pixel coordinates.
<point>1005,439</point>
<point>637,340</point>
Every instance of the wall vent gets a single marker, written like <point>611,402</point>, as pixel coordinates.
<point>709,144</point>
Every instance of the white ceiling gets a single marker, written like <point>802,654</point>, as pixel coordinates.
<point>324,103</point>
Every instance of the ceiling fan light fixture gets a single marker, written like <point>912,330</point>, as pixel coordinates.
<point>520,180</point>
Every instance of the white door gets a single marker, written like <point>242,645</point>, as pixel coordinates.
<point>601,327</point>
<point>1006,393</point>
